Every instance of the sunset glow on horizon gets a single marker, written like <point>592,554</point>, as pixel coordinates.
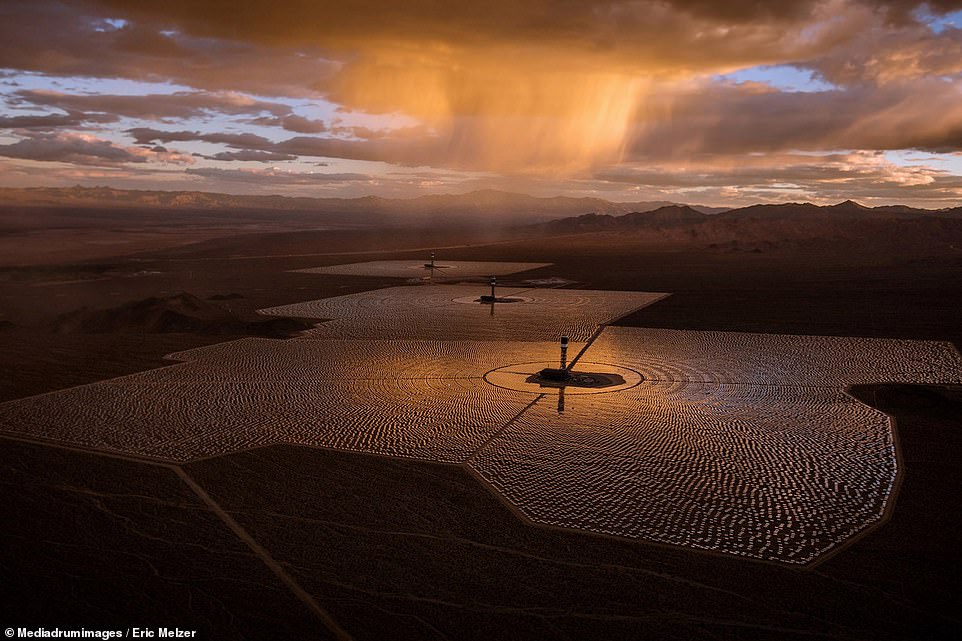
<point>683,100</point>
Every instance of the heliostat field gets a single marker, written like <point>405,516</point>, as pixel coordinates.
<point>442,269</point>
<point>454,312</point>
<point>745,444</point>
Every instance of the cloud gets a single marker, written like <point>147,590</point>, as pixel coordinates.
<point>274,176</point>
<point>882,54</point>
<point>742,119</point>
<point>182,104</point>
<point>84,44</point>
<point>491,88</point>
<point>400,151</point>
<point>418,53</point>
<point>747,118</point>
<point>545,91</point>
<point>540,86</point>
<point>71,119</point>
<point>862,175</point>
<point>84,150</point>
<point>295,123</point>
<point>146,135</point>
<point>622,27</point>
<point>251,155</point>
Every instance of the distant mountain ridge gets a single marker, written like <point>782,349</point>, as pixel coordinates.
<point>676,215</point>
<point>558,214</point>
<point>497,206</point>
<point>767,226</point>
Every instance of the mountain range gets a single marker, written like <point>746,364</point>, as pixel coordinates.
<point>487,204</point>
<point>763,227</point>
<point>756,226</point>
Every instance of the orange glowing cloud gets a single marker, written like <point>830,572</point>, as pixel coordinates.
<point>550,88</point>
<point>552,121</point>
<point>546,90</point>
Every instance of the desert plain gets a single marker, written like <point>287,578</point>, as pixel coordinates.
<point>780,463</point>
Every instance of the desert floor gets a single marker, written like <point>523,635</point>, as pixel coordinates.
<point>320,543</point>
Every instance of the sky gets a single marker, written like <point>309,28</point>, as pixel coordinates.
<point>714,103</point>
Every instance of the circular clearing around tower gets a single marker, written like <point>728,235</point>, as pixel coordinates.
<point>500,300</point>
<point>587,378</point>
<point>429,267</point>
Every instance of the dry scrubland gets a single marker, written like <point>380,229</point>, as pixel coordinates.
<point>737,443</point>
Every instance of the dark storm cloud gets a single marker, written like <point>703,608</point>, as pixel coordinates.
<point>74,39</point>
<point>304,45</point>
<point>571,21</point>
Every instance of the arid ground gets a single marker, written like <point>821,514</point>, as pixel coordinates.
<point>293,541</point>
